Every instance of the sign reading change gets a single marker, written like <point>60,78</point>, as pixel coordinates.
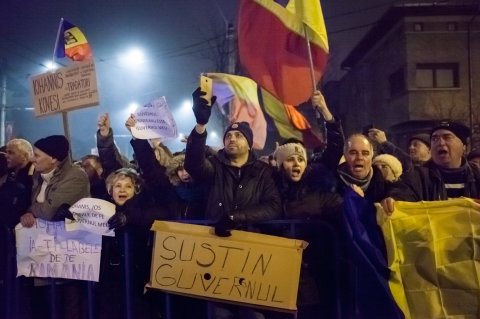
<point>68,88</point>
<point>246,268</point>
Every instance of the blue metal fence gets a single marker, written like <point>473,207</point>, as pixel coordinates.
<point>14,298</point>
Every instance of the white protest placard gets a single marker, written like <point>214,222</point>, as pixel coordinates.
<point>67,88</point>
<point>154,120</point>
<point>47,250</point>
<point>91,214</point>
<point>246,268</point>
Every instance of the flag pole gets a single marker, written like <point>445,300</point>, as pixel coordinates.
<point>312,72</point>
<point>56,40</point>
<point>66,126</point>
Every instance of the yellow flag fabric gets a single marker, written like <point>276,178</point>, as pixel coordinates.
<point>310,12</point>
<point>433,252</point>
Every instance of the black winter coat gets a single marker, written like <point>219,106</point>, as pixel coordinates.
<point>425,183</point>
<point>248,193</point>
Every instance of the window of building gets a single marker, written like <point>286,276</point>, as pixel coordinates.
<point>418,26</point>
<point>397,82</point>
<point>437,75</point>
<point>452,26</point>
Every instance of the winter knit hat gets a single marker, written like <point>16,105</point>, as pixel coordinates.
<point>460,130</point>
<point>424,138</point>
<point>242,127</point>
<point>286,150</point>
<point>392,162</point>
<point>56,146</point>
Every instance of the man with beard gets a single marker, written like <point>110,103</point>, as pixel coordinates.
<point>447,175</point>
<point>242,188</point>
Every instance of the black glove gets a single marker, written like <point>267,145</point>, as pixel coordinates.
<point>63,212</point>
<point>200,107</point>
<point>224,225</point>
<point>117,221</point>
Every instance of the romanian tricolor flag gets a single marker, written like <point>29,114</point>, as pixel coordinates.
<point>247,102</point>
<point>273,46</point>
<point>71,42</point>
<point>423,261</point>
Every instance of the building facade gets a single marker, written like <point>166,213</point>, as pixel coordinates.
<point>417,64</point>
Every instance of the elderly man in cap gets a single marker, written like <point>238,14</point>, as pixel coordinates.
<point>55,182</point>
<point>446,175</point>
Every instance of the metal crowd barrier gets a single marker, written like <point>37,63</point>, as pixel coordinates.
<point>12,291</point>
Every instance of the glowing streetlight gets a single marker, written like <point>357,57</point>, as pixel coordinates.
<point>132,58</point>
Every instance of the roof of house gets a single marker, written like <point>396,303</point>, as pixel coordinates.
<point>395,13</point>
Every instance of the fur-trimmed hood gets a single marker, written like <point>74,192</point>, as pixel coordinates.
<point>174,164</point>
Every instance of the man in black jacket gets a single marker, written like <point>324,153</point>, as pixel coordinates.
<point>446,175</point>
<point>242,189</point>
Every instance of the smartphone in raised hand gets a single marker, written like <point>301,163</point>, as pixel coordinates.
<point>206,86</point>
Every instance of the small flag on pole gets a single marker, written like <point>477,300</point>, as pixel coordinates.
<point>71,43</point>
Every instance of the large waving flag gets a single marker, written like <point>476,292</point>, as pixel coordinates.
<point>241,93</point>
<point>273,46</point>
<point>256,106</point>
<point>71,42</point>
<point>288,121</point>
<point>434,257</point>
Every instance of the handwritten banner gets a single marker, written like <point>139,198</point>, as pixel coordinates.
<point>48,250</point>
<point>68,88</point>
<point>246,268</point>
<point>154,120</point>
<point>91,214</point>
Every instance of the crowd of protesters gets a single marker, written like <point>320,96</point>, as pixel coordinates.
<point>233,189</point>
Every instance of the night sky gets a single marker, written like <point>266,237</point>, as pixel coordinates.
<point>176,36</point>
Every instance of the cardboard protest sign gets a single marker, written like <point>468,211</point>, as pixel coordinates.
<point>68,88</point>
<point>48,250</point>
<point>433,253</point>
<point>154,120</point>
<point>91,214</point>
<point>245,268</point>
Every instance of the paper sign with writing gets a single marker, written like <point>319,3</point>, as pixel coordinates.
<point>154,120</point>
<point>245,268</point>
<point>68,88</point>
<point>91,214</point>
<point>48,250</point>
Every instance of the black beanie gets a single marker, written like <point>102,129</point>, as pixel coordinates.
<point>460,130</point>
<point>54,145</point>
<point>242,127</point>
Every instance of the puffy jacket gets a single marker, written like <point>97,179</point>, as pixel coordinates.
<point>248,193</point>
